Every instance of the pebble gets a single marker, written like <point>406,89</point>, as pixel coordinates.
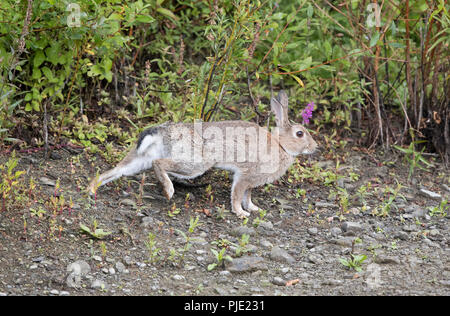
<point>409,228</point>
<point>430,194</point>
<point>383,259</point>
<point>345,242</point>
<point>315,259</point>
<point>266,244</point>
<point>241,230</point>
<point>79,267</point>
<point>401,235</point>
<point>120,267</point>
<point>147,221</point>
<point>128,202</point>
<point>97,258</point>
<point>246,264</point>
<point>325,205</point>
<point>351,227</point>
<point>47,181</point>
<point>313,231</point>
<point>225,273</point>
<point>281,255</point>
<point>98,285</point>
<point>266,228</point>
<point>178,277</point>
<point>335,231</point>
<point>278,281</point>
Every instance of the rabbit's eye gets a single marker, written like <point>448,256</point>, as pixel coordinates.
<point>299,134</point>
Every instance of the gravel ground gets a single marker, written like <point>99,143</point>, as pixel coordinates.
<point>297,247</point>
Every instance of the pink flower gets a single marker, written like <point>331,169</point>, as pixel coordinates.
<point>307,113</point>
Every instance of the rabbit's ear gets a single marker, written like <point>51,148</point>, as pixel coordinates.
<point>283,99</point>
<point>279,107</point>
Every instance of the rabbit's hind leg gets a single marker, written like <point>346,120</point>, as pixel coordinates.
<point>164,167</point>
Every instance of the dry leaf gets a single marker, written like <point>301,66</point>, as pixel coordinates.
<point>292,282</point>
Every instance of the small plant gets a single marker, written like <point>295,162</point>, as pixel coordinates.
<point>11,185</point>
<point>95,232</point>
<point>209,194</point>
<point>173,211</point>
<point>300,193</point>
<point>153,251</point>
<point>389,196</point>
<point>355,261</point>
<point>440,210</point>
<point>220,259</point>
<point>39,213</point>
<point>414,158</point>
<point>221,212</point>
<point>342,197</point>
<point>363,192</point>
<point>260,219</point>
<point>103,249</point>
<point>241,249</point>
<point>193,224</point>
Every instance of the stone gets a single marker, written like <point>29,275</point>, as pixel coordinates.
<point>98,285</point>
<point>79,267</point>
<point>47,181</point>
<point>335,231</point>
<point>313,231</point>
<point>241,230</point>
<point>120,267</point>
<point>266,244</point>
<point>77,270</point>
<point>315,259</point>
<point>351,227</point>
<point>246,264</point>
<point>430,194</point>
<point>178,277</point>
<point>383,259</point>
<point>281,255</point>
<point>325,205</point>
<point>278,281</point>
<point>266,228</point>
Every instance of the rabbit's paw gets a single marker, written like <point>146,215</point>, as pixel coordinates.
<point>168,191</point>
<point>252,207</point>
<point>241,213</point>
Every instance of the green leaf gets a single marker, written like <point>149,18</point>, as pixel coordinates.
<point>145,19</point>
<point>35,105</point>
<point>344,262</point>
<point>374,39</point>
<point>212,266</point>
<point>166,13</point>
<point>39,58</point>
<point>310,11</point>
<point>47,73</point>
<point>36,74</point>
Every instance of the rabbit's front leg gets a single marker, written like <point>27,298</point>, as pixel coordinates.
<point>247,201</point>
<point>237,195</point>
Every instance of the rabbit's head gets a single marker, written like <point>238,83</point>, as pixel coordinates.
<point>294,138</point>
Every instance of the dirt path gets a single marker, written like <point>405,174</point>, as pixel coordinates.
<point>318,219</point>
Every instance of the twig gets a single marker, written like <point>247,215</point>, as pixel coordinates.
<point>254,102</point>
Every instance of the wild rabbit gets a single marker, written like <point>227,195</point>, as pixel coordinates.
<point>187,150</point>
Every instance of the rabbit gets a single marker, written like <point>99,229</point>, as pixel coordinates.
<point>187,150</point>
